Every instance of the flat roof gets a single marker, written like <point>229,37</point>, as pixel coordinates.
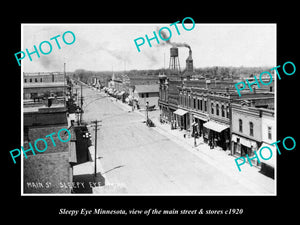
<point>46,84</point>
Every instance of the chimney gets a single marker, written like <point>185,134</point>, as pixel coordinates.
<point>189,62</point>
<point>189,65</point>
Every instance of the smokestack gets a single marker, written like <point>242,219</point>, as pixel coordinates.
<point>189,62</point>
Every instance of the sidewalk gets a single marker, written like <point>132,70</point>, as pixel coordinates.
<point>249,176</point>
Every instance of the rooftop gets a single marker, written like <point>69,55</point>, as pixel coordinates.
<point>46,84</point>
<point>147,88</point>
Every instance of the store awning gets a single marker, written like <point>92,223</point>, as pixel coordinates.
<point>245,142</point>
<point>234,138</point>
<point>180,112</point>
<point>215,126</point>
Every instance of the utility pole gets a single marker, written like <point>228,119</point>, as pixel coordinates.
<point>64,84</point>
<point>96,129</point>
<point>147,117</point>
<point>81,100</point>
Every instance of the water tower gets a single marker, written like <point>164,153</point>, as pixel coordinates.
<point>174,66</point>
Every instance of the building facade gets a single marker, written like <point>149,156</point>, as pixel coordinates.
<point>146,93</point>
<point>252,129</point>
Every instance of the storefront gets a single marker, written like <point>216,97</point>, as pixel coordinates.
<point>218,134</point>
<point>267,166</point>
<point>242,146</point>
<point>199,121</point>
<point>182,118</point>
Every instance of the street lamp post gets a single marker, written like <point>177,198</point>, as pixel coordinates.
<point>78,111</point>
<point>147,105</point>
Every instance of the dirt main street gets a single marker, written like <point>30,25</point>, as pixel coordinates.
<point>145,161</point>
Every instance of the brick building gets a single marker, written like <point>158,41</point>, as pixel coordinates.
<point>44,112</point>
<point>47,171</point>
<point>39,86</point>
<point>252,128</point>
<point>204,106</point>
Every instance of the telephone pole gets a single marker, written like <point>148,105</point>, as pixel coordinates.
<point>95,122</point>
<point>81,102</point>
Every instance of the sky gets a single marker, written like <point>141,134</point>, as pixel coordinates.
<point>107,47</point>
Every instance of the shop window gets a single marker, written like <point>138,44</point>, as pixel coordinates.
<point>270,133</point>
<point>223,111</point>
<point>251,128</point>
<point>240,125</point>
<point>227,111</point>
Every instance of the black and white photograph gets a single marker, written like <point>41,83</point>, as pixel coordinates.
<point>141,117</point>
<point>149,109</point>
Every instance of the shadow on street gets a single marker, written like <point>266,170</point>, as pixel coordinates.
<point>87,182</point>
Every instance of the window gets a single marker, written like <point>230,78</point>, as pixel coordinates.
<point>201,104</point>
<point>25,80</point>
<point>251,128</point>
<point>142,95</point>
<point>147,95</point>
<point>205,105</point>
<point>217,109</point>
<point>227,111</point>
<point>35,79</point>
<point>194,106</point>
<point>41,79</point>
<point>240,125</point>
<point>30,80</point>
<point>223,111</point>
<point>212,108</point>
<point>33,95</point>
<point>270,133</point>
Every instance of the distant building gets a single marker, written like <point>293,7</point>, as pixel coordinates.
<point>44,77</point>
<point>146,93</point>
<point>41,86</point>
